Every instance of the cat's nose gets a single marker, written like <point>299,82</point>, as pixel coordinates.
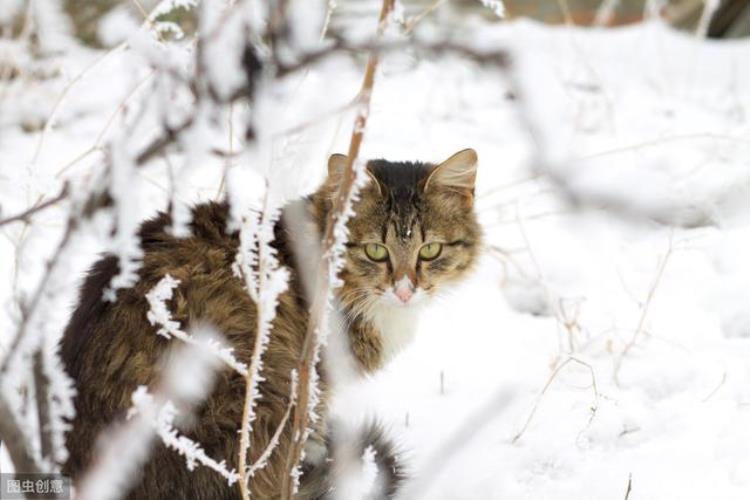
<point>404,289</point>
<point>404,294</point>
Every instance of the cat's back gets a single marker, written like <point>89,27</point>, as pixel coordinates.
<point>205,255</point>
<point>110,348</point>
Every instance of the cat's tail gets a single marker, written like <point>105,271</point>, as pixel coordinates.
<point>363,463</point>
<point>377,447</point>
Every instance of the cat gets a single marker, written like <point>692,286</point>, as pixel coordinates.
<point>414,233</point>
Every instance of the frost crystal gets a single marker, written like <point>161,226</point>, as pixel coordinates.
<point>265,280</point>
<point>162,418</point>
<point>158,314</point>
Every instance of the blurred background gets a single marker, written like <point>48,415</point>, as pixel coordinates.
<point>731,20</point>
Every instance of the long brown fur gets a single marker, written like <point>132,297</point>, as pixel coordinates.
<point>110,348</point>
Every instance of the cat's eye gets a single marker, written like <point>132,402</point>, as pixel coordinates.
<point>430,251</point>
<point>376,252</point>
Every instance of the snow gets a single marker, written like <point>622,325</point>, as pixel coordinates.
<point>644,148</point>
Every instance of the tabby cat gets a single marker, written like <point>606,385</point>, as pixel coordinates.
<point>414,234</point>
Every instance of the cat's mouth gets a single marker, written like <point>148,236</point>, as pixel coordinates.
<point>398,298</point>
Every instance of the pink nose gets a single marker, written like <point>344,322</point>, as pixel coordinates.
<point>404,293</point>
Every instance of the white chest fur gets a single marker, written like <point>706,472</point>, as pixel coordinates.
<point>397,326</point>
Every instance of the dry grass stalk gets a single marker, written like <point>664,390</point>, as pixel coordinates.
<point>645,309</point>
<point>551,379</point>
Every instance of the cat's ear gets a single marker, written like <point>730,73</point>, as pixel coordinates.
<point>336,165</point>
<point>459,172</point>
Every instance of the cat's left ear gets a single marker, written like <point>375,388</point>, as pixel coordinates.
<point>459,172</point>
<point>336,165</point>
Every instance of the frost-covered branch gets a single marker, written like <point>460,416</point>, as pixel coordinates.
<point>334,240</point>
<point>161,416</point>
<point>36,332</point>
<point>160,315</point>
<point>265,280</point>
<point>187,379</point>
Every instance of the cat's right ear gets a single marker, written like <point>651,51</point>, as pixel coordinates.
<point>336,166</point>
<point>457,173</point>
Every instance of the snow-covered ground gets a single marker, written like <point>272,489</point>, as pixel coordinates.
<point>627,230</point>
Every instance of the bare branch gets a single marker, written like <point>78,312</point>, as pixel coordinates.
<point>26,215</point>
<point>13,437</point>
<point>716,389</point>
<point>41,389</point>
<point>274,441</point>
<point>630,486</point>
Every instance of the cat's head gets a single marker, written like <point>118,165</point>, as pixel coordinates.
<point>414,231</point>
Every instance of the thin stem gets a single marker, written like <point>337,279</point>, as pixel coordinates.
<point>551,379</point>
<point>38,207</point>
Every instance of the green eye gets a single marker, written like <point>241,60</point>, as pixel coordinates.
<point>376,252</point>
<point>430,251</point>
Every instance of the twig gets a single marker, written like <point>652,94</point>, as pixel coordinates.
<point>532,217</point>
<point>664,140</point>
<point>541,278</point>
<point>716,389</point>
<point>497,58</point>
<point>547,385</point>
<point>14,440</point>
<point>64,93</point>
<point>630,486</point>
<point>509,185</point>
<point>412,22</point>
<point>10,430</point>
<point>26,215</point>
<point>645,309</point>
<point>30,308</point>
<point>330,7</point>
<point>305,60</point>
<point>58,104</point>
<point>274,441</point>
<point>502,256</point>
<point>41,390</point>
